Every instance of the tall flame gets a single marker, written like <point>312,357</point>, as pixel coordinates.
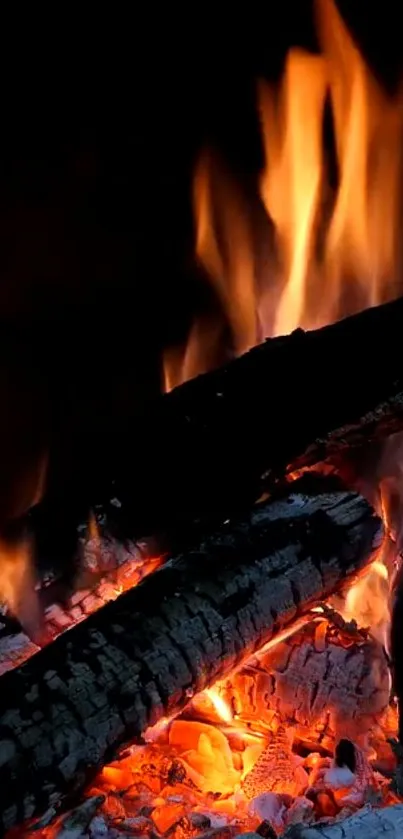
<point>292,134</point>
<point>335,246</point>
<point>227,253</point>
<point>362,238</point>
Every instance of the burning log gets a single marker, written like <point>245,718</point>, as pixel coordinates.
<point>67,710</point>
<point>322,685</point>
<point>214,444</point>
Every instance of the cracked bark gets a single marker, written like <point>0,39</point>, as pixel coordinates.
<point>67,710</point>
<point>366,824</point>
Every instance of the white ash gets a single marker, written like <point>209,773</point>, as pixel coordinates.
<point>14,649</point>
<point>98,828</point>
<point>351,789</point>
<point>217,820</point>
<point>300,811</point>
<point>270,807</point>
<point>337,777</point>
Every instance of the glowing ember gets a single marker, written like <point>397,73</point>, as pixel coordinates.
<point>222,707</point>
<point>221,766</point>
<point>264,745</point>
<point>113,570</point>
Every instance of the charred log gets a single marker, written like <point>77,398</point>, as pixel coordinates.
<point>367,823</point>
<point>67,710</point>
<point>211,446</point>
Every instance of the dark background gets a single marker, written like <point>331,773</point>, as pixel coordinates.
<point>101,123</point>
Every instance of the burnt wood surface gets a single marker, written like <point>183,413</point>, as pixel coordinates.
<point>209,447</point>
<point>367,823</point>
<point>67,710</point>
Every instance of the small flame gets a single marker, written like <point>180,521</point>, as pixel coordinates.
<point>368,601</point>
<point>181,364</point>
<point>93,528</point>
<point>17,585</point>
<point>226,250</point>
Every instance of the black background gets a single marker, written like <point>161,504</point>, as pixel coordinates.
<point>101,122</point>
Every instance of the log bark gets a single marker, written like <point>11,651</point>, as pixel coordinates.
<point>68,709</point>
<point>212,445</point>
<point>368,823</point>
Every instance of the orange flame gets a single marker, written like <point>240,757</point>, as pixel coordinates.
<point>292,179</point>
<point>335,246</point>
<point>227,253</point>
<point>368,601</point>
<point>17,585</point>
<point>362,238</point>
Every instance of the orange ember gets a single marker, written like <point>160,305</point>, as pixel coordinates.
<point>110,570</point>
<point>336,248</point>
<point>256,747</point>
<point>260,745</point>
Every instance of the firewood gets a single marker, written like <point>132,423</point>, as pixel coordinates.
<point>67,710</point>
<point>319,686</point>
<point>211,446</point>
<point>367,823</point>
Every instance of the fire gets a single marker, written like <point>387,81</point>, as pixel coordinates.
<point>219,767</point>
<point>221,706</point>
<point>268,730</point>
<point>335,246</point>
<point>367,601</point>
<point>292,133</point>
<point>258,745</point>
<point>227,260</point>
<point>17,584</point>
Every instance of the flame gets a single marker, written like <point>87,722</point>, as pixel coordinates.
<point>362,237</point>
<point>226,252</point>
<point>221,706</point>
<point>334,252</point>
<point>222,766</point>
<point>368,601</point>
<point>93,528</point>
<point>359,255</point>
<point>292,178</point>
<point>17,584</point>
<point>183,363</point>
<point>334,206</point>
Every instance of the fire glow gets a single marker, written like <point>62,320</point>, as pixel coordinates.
<point>258,746</point>
<point>335,248</point>
<point>262,746</point>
